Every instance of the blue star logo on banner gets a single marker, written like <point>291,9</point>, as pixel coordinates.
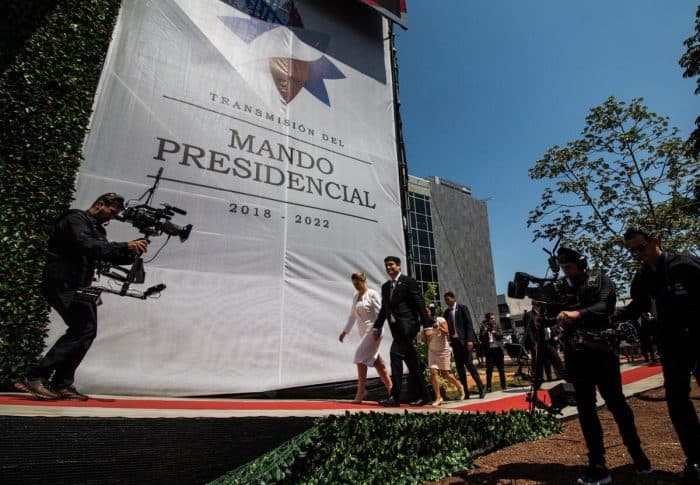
<point>290,75</point>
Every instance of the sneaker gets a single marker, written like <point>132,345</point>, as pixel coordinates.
<point>595,475</point>
<point>40,389</point>
<point>71,394</point>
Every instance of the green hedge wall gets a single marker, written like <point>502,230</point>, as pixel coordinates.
<point>390,448</point>
<point>53,63</point>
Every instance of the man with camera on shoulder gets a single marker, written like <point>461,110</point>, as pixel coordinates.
<point>669,284</point>
<point>491,337</point>
<point>78,242</point>
<point>592,360</point>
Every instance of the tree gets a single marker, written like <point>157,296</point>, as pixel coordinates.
<point>629,168</point>
<point>690,62</point>
<point>430,296</point>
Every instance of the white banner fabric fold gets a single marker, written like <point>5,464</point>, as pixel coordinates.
<point>275,131</point>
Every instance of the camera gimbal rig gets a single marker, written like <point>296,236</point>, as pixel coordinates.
<point>547,300</point>
<point>151,221</point>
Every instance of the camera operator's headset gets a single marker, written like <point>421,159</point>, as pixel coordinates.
<point>568,253</point>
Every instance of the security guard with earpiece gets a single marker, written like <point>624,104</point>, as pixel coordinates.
<point>592,361</point>
<point>669,284</point>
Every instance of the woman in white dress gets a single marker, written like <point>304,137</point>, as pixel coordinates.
<point>365,307</point>
<point>439,356</point>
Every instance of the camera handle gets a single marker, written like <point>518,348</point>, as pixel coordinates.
<point>135,274</point>
<point>153,188</point>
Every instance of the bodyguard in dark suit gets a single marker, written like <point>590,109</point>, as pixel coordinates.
<point>462,338</point>
<point>403,307</point>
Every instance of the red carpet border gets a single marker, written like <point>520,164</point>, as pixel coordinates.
<point>503,403</point>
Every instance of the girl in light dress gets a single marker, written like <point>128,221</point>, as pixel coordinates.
<point>366,304</point>
<point>439,354</point>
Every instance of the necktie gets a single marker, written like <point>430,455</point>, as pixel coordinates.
<point>453,321</point>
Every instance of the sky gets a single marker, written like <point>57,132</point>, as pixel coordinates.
<point>487,86</point>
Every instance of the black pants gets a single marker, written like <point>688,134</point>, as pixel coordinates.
<point>595,364</point>
<point>61,361</point>
<point>645,344</point>
<point>403,351</point>
<point>494,356</point>
<point>678,358</point>
<point>463,359</point>
<point>550,358</point>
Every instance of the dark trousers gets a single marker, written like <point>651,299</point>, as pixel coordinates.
<point>463,359</point>
<point>645,344</point>
<point>550,358</point>
<point>494,356</point>
<point>678,359</point>
<point>590,365</point>
<point>65,356</point>
<point>403,351</point>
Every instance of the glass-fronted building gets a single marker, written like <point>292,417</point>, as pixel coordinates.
<point>423,261</point>
<point>449,243</point>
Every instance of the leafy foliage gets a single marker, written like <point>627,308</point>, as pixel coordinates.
<point>629,168</point>
<point>46,93</point>
<point>690,62</point>
<point>390,448</point>
<point>430,296</point>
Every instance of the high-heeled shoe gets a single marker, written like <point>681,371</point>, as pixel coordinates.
<point>359,398</point>
<point>462,394</point>
<point>437,402</point>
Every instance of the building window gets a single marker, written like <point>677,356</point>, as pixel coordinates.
<point>422,243</point>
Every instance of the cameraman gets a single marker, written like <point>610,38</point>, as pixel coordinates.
<point>491,337</point>
<point>77,243</point>
<point>672,282</point>
<point>592,360</point>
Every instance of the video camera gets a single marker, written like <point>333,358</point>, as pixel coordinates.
<point>544,291</point>
<point>152,221</point>
<point>547,293</point>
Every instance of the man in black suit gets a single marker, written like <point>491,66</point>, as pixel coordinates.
<point>403,307</point>
<point>462,338</point>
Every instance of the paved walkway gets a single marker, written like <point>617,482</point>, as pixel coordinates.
<point>637,377</point>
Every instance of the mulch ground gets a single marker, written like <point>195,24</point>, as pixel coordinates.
<point>562,458</point>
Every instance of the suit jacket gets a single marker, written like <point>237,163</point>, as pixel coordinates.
<point>463,324</point>
<point>406,305</point>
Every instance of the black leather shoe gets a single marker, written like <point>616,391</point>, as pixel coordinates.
<point>481,393</point>
<point>71,394</point>
<point>389,402</point>
<point>40,388</point>
<point>420,402</point>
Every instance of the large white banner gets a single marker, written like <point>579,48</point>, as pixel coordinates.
<point>274,125</point>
